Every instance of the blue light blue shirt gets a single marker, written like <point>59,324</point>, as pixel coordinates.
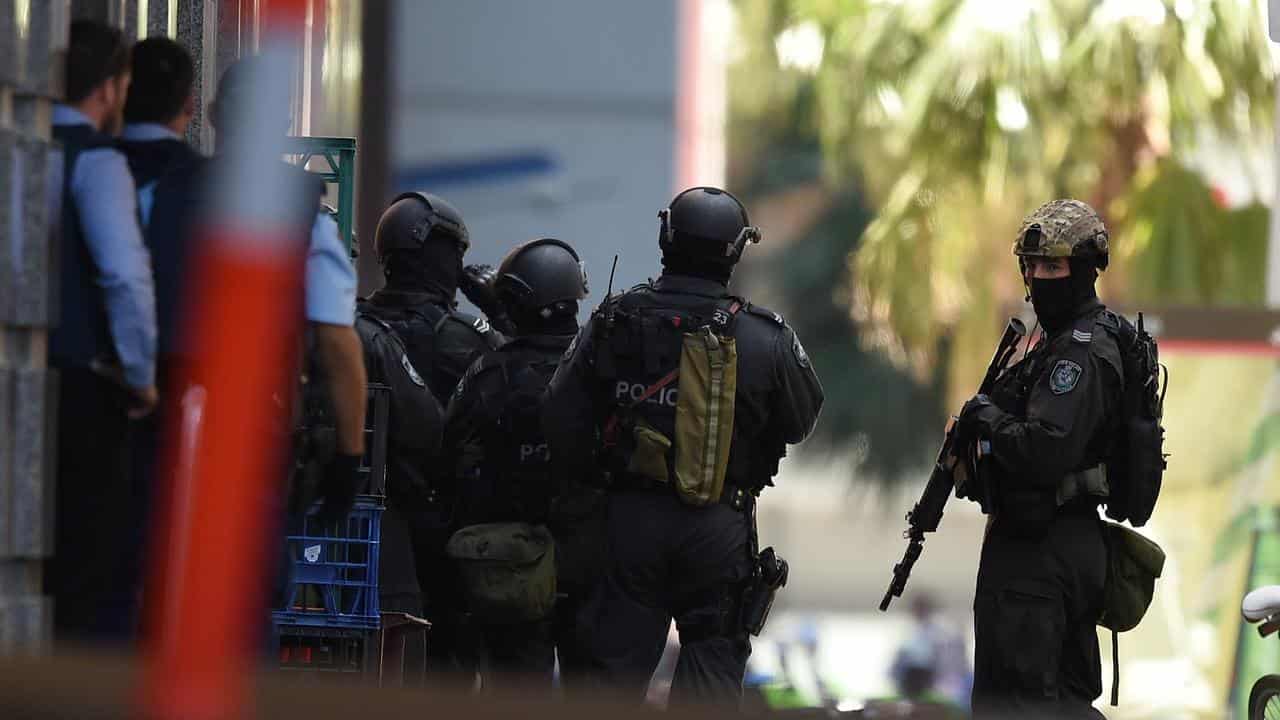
<point>147,132</point>
<point>106,201</point>
<point>331,278</point>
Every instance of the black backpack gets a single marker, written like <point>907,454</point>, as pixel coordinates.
<point>416,420</point>
<point>521,467</point>
<point>1136,465</point>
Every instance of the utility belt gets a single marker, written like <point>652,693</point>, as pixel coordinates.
<point>1026,512</point>
<point>735,497</point>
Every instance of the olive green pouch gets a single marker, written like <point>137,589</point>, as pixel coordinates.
<point>508,570</point>
<point>649,455</point>
<point>704,415</point>
<point>1133,564</point>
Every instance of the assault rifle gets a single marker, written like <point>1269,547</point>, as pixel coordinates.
<point>927,513</point>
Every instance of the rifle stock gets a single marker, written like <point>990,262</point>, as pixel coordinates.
<point>926,514</point>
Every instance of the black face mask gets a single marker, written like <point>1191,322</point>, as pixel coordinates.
<point>1054,301</point>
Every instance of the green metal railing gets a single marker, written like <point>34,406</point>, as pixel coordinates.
<point>340,155</point>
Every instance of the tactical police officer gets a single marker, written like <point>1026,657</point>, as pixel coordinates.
<point>679,547</point>
<point>420,242</point>
<point>1044,434</point>
<point>494,426</point>
<point>103,345</point>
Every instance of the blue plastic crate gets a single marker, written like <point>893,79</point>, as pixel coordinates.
<point>334,581</point>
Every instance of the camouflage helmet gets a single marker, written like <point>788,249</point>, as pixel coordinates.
<point>1063,229</point>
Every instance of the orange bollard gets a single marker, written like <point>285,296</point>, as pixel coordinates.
<point>219,540</point>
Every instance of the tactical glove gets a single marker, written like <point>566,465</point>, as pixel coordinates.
<point>977,414</point>
<point>477,284</point>
<point>338,486</point>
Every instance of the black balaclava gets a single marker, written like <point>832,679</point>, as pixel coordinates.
<point>677,263</point>
<point>1057,300</point>
<point>435,267</point>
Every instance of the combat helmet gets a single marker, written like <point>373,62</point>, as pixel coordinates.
<point>1063,229</point>
<point>706,223</point>
<point>543,276</point>
<point>413,218</point>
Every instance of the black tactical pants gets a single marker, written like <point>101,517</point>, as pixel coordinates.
<point>518,656</point>
<point>669,559</point>
<point>1037,603</point>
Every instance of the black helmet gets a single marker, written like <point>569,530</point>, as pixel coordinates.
<point>706,223</point>
<point>544,276</point>
<point>415,217</point>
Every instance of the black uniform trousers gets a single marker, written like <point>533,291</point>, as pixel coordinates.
<point>92,574</point>
<point>1037,603</point>
<point>670,560</point>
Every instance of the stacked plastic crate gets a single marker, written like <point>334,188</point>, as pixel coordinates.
<point>330,619</point>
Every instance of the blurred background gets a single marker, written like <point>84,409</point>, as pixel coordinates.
<point>888,149</point>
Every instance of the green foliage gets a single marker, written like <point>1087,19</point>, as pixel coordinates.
<point>1184,248</point>
<point>959,116</point>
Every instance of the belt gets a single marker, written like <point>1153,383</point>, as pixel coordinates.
<point>1090,482</point>
<point>735,497</point>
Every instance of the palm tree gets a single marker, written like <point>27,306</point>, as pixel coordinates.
<point>957,117</point>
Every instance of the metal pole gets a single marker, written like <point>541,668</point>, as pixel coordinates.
<point>1273,240</point>
<point>373,172</point>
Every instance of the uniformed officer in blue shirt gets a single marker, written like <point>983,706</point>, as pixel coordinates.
<point>329,283</point>
<point>159,108</point>
<point>157,111</point>
<point>103,345</point>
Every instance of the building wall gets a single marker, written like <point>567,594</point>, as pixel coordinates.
<point>555,118</point>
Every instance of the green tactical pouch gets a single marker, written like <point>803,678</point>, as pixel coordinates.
<point>704,415</point>
<point>1133,564</point>
<point>649,454</point>
<point>508,570</point>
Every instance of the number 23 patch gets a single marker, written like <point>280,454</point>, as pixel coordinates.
<point>1064,377</point>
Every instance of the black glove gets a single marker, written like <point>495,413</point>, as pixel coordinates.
<point>477,283</point>
<point>338,485</point>
<point>975,414</point>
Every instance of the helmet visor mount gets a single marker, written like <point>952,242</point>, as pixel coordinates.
<point>732,251</point>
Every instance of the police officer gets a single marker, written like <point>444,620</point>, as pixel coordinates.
<point>103,345</point>
<point>159,106</point>
<point>420,242</point>
<point>157,112</point>
<point>413,430</point>
<point>493,426</point>
<point>670,558</point>
<point>1045,432</point>
<point>329,282</point>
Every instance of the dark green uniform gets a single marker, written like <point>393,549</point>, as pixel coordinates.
<point>1043,564</point>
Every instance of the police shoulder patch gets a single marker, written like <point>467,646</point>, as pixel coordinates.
<point>798,350</point>
<point>1066,374</point>
<point>412,372</point>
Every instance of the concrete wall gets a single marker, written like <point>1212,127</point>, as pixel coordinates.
<point>32,43</point>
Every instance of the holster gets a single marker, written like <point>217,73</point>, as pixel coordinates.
<point>768,576</point>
